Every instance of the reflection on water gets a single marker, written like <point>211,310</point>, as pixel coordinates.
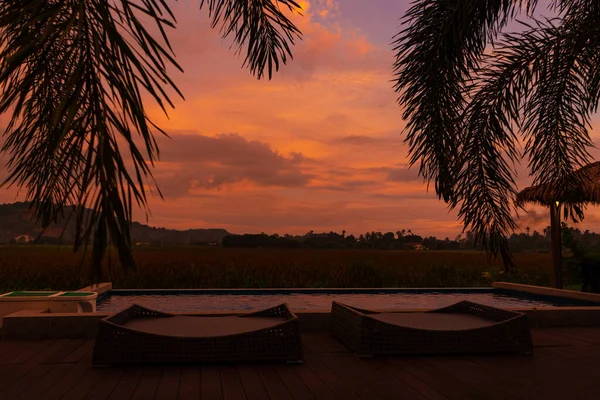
<point>312,301</point>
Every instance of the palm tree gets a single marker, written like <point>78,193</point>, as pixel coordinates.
<point>471,94</point>
<point>72,73</point>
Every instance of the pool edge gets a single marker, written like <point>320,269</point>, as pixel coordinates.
<point>546,291</point>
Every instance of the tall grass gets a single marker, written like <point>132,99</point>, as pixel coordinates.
<point>41,267</point>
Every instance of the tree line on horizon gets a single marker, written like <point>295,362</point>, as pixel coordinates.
<point>527,241</point>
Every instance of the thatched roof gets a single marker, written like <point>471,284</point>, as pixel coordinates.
<point>588,190</point>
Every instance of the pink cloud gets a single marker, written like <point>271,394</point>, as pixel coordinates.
<point>199,163</point>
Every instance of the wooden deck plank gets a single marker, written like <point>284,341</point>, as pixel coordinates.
<point>55,373</point>
<point>293,383</point>
<point>308,344</point>
<point>127,384</point>
<point>231,383</point>
<point>569,369</point>
<point>169,384</point>
<point>349,374</point>
<point>327,343</point>
<point>210,383</point>
<point>105,386</point>
<point>85,384</point>
<point>471,374</point>
<point>370,372</point>
<point>337,385</point>
<point>579,334</point>
<point>22,385</point>
<point>16,348</point>
<point>312,381</point>
<point>22,370</point>
<point>189,385</point>
<point>544,338</point>
<point>314,344</point>
<point>23,351</point>
<point>70,379</point>
<point>272,382</point>
<point>414,382</point>
<point>253,386</point>
<point>148,385</point>
<point>579,374</point>
<point>5,346</point>
<point>61,355</point>
<point>587,354</point>
<point>81,352</point>
<point>374,371</point>
<point>519,375</point>
<point>436,379</point>
<point>62,370</point>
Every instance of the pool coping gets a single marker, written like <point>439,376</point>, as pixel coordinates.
<point>508,288</point>
<point>40,324</point>
<point>99,288</point>
<point>546,291</point>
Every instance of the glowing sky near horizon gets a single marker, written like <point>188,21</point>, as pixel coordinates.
<point>319,147</point>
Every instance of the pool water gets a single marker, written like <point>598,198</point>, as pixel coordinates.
<point>306,300</point>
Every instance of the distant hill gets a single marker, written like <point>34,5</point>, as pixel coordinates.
<point>15,221</point>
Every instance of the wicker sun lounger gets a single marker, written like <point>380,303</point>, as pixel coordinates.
<point>139,335</point>
<point>464,327</point>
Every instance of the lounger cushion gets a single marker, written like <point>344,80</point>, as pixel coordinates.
<point>189,326</point>
<point>433,321</point>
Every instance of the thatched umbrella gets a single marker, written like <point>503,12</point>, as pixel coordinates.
<point>581,188</point>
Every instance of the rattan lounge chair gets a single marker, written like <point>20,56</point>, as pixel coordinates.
<point>139,335</point>
<point>464,327</point>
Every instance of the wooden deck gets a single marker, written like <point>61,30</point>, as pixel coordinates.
<point>566,365</point>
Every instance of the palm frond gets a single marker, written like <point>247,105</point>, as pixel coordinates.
<point>464,111</point>
<point>486,184</point>
<point>556,115</point>
<point>71,73</point>
<point>435,54</point>
<point>261,25</point>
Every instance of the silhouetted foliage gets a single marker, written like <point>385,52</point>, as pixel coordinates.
<point>584,262</point>
<point>471,93</point>
<point>526,242</point>
<point>72,76</point>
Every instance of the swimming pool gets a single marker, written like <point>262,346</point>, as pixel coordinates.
<point>320,299</point>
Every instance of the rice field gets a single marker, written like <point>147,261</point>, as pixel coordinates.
<point>48,267</point>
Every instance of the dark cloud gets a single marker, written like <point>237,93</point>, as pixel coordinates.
<point>535,217</point>
<point>397,173</point>
<point>364,140</point>
<point>400,197</point>
<point>349,185</point>
<point>353,179</point>
<point>402,175</point>
<point>338,120</point>
<point>341,171</point>
<point>358,140</point>
<point>206,162</point>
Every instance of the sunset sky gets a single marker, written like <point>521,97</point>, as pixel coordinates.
<point>319,147</point>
